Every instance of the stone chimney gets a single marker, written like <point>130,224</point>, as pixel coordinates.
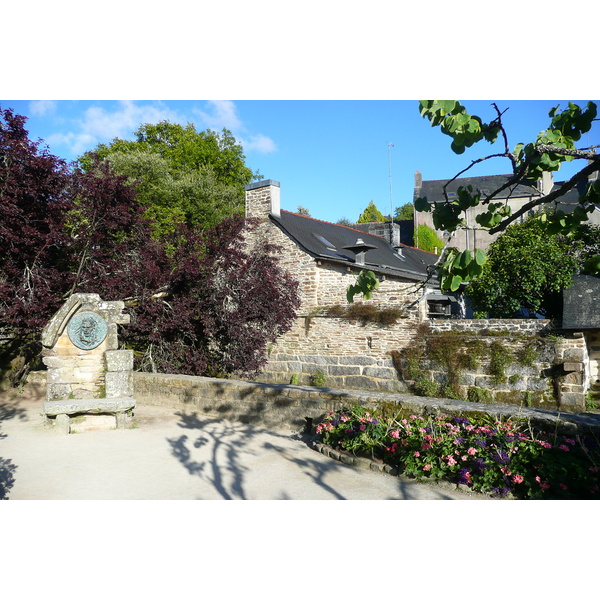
<point>263,199</point>
<point>546,183</point>
<point>418,184</point>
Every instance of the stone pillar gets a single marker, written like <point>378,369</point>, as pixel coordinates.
<point>80,349</point>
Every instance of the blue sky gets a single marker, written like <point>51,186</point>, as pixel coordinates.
<point>330,156</point>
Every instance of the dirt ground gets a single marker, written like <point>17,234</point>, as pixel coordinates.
<point>166,455</point>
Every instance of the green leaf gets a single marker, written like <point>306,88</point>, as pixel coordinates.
<point>480,257</point>
<point>422,205</point>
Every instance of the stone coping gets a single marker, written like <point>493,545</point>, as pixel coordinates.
<point>88,406</point>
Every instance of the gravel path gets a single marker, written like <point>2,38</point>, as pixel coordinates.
<point>166,455</point>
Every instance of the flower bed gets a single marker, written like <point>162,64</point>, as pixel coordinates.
<point>486,454</point>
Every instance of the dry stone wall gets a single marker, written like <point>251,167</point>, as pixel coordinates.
<point>519,362</point>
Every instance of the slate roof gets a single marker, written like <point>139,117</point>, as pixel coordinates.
<point>326,241</point>
<point>567,202</point>
<point>434,192</point>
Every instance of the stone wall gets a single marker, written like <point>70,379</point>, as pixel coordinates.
<point>296,407</point>
<point>533,365</point>
<point>348,353</point>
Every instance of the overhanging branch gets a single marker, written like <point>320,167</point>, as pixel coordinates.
<point>561,191</point>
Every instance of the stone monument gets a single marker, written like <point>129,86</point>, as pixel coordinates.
<point>87,373</point>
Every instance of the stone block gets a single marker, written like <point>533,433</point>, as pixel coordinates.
<point>535,384</point>
<point>62,424</point>
<point>574,355</point>
<point>119,360</point>
<point>84,423</point>
<point>57,391</point>
<point>119,384</point>
<point>380,372</point>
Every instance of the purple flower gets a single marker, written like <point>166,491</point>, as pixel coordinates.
<point>478,465</point>
<point>461,477</point>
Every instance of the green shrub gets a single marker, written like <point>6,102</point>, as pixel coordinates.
<point>479,394</point>
<point>319,379</point>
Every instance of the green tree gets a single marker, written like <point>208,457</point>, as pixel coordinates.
<point>528,163</point>
<point>427,239</point>
<point>303,211</point>
<point>404,212</point>
<point>183,176</point>
<point>371,214</point>
<point>529,268</point>
<point>344,221</point>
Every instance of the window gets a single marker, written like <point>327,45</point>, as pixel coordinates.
<point>325,241</point>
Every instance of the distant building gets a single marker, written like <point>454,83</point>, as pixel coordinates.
<point>516,196</point>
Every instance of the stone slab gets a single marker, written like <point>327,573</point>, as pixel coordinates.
<point>88,405</point>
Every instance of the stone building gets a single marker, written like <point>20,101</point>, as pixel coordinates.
<point>516,196</point>
<point>326,258</point>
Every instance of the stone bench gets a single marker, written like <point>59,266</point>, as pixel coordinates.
<point>62,410</point>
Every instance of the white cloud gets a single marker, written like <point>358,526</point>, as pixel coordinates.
<point>221,114</point>
<point>101,125</point>
<point>125,120</point>
<point>40,108</point>
<point>259,143</point>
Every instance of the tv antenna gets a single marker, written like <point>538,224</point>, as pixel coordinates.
<point>390,146</point>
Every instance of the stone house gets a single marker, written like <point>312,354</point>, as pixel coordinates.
<point>516,196</point>
<point>326,258</point>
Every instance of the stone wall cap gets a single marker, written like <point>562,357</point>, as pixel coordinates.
<point>260,184</point>
<point>88,405</point>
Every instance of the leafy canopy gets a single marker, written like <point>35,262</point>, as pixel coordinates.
<point>427,239</point>
<point>371,214</point>
<point>201,301</point>
<point>183,176</point>
<point>528,268</point>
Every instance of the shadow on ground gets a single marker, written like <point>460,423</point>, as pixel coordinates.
<point>9,409</point>
<point>229,447</point>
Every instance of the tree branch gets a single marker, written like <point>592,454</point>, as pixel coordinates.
<point>561,191</point>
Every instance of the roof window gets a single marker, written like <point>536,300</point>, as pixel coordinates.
<point>325,242</point>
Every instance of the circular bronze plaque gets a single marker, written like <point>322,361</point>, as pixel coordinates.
<point>87,330</point>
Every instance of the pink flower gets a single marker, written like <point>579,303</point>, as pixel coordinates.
<point>563,486</point>
<point>563,447</point>
<point>425,446</point>
<point>543,484</point>
<point>463,458</point>
<point>517,478</point>
<point>471,451</point>
<point>395,434</point>
<point>570,441</point>
<point>427,468</point>
<point>594,469</point>
<point>362,427</point>
<point>451,460</point>
<point>417,454</point>
<point>545,444</point>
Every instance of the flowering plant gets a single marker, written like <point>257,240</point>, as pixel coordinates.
<point>486,454</point>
